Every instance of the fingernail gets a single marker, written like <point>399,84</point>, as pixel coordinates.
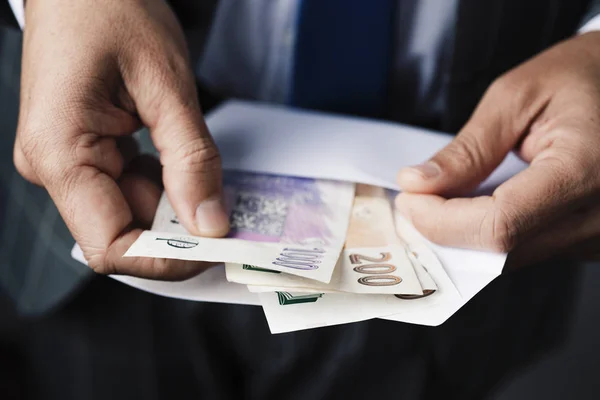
<point>428,170</point>
<point>211,218</point>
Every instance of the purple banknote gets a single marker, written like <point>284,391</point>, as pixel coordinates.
<point>290,224</point>
<point>269,208</point>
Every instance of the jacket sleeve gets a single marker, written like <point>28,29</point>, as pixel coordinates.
<point>7,18</point>
<point>591,20</point>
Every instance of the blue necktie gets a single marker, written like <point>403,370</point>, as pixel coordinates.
<point>343,54</point>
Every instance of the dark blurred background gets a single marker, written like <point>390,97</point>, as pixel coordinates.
<point>530,334</point>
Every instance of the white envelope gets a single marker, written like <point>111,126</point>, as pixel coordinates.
<point>272,139</point>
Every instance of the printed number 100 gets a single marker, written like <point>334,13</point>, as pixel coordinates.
<point>377,271</point>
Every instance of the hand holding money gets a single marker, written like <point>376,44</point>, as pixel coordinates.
<point>112,67</point>
<point>293,225</point>
<point>374,259</point>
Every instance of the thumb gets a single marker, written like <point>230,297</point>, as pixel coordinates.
<point>191,167</point>
<point>162,86</point>
<point>491,133</point>
<point>459,167</point>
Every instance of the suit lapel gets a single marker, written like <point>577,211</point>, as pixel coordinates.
<point>494,36</point>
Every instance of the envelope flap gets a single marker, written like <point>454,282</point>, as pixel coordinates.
<point>271,139</point>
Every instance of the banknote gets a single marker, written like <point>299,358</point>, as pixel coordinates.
<point>428,285</point>
<point>287,224</point>
<point>288,310</point>
<point>320,308</point>
<point>374,259</point>
<point>294,311</point>
<point>272,289</point>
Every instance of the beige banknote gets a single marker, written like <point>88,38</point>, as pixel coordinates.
<point>285,313</point>
<point>289,310</point>
<point>374,259</point>
<point>428,285</point>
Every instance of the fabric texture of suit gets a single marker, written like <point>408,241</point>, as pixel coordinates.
<point>36,269</point>
<point>7,18</point>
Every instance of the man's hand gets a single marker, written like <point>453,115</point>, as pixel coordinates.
<point>548,109</point>
<point>93,72</point>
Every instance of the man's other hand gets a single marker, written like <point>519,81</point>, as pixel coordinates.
<point>548,109</point>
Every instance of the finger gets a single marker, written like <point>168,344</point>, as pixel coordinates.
<point>572,235</point>
<point>494,129</point>
<point>191,162</point>
<point>102,223</point>
<point>23,166</point>
<point>92,150</point>
<point>544,192</point>
<point>141,187</point>
<point>89,149</point>
<point>459,222</point>
<point>146,267</point>
<point>108,120</point>
<point>93,206</point>
<point>192,176</point>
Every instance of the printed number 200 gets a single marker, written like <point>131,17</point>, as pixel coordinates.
<point>376,271</point>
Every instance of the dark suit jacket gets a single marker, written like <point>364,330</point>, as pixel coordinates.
<point>6,16</point>
<point>491,37</point>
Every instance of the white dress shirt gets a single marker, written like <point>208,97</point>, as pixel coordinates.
<point>250,49</point>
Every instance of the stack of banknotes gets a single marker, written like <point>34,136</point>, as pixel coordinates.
<point>317,252</point>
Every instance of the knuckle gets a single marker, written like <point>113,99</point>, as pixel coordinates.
<point>200,155</point>
<point>573,170</point>
<point>22,165</point>
<point>98,267</point>
<point>160,267</point>
<point>464,152</point>
<point>99,262</point>
<point>84,149</point>
<point>507,85</point>
<point>514,90</point>
<point>97,151</point>
<point>30,156</point>
<point>39,152</point>
<point>498,231</point>
<point>101,266</point>
<point>172,83</point>
<point>29,144</point>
